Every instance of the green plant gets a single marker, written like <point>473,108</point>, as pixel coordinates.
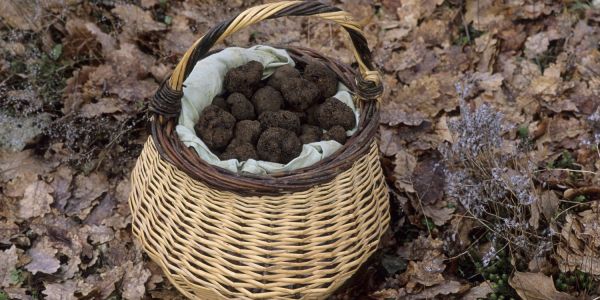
<point>17,277</point>
<point>577,281</point>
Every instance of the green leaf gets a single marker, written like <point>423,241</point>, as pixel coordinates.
<point>16,276</point>
<point>168,20</point>
<point>56,52</point>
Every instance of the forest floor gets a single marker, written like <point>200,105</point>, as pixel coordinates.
<point>489,139</point>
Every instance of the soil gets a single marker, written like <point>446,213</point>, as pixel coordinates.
<point>272,119</point>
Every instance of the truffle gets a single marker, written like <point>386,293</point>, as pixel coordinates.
<point>311,115</point>
<point>336,133</point>
<point>215,127</point>
<point>241,107</point>
<point>310,134</point>
<point>247,131</point>
<point>267,99</point>
<point>244,79</point>
<point>299,93</point>
<point>239,150</point>
<point>278,145</point>
<point>220,102</point>
<point>334,112</point>
<point>282,119</point>
<point>281,74</point>
<point>323,77</point>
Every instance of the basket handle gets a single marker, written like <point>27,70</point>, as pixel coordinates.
<point>166,101</point>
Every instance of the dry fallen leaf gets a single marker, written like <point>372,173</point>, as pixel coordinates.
<point>479,292</point>
<point>136,21</point>
<point>134,281</point>
<point>42,258</point>
<point>87,190</point>
<point>536,286</point>
<point>9,260</point>
<point>579,248</point>
<point>21,14</point>
<point>445,288</point>
<point>36,200</point>
<point>60,291</point>
<point>404,165</point>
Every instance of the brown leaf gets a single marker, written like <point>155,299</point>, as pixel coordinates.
<point>389,141</point>
<point>105,282</point>
<point>548,205</point>
<point>103,106</point>
<point>42,258</point>
<point>61,183</point>
<point>179,37</point>
<point>60,291</point>
<point>21,14</point>
<point>9,260</point>
<point>479,292</point>
<point>23,163</point>
<point>7,230</point>
<point>136,20</point>
<point>484,14</point>
<point>134,280</point>
<point>427,272</point>
<point>428,181</point>
<point>18,293</point>
<point>98,234</point>
<point>87,190</point>
<point>445,288</point>
<point>36,200</point>
<point>404,165</point>
<point>85,38</point>
<point>536,286</point>
<point>439,214</point>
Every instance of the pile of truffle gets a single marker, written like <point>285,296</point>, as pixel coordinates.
<point>270,120</point>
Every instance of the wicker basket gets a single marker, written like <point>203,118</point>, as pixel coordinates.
<point>294,235</point>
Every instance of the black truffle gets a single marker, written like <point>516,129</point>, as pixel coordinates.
<point>323,77</point>
<point>215,127</point>
<point>278,145</point>
<point>220,102</point>
<point>241,107</point>
<point>281,74</point>
<point>310,134</point>
<point>244,79</point>
<point>334,112</point>
<point>336,133</point>
<point>299,93</point>
<point>267,99</point>
<point>283,119</point>
<point>239,150</point>
<point>247,131</point>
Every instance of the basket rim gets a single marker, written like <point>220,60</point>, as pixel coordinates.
<point>172,149</point>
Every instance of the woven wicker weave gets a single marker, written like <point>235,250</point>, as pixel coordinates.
<point>294,235</point>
